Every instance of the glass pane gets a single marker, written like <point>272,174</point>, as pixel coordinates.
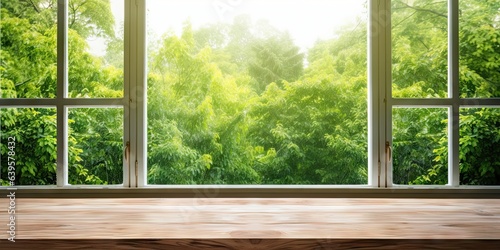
<point>95,146</point>
<point>419,48</point>
<point>479,48</point>
<point>28,56</point>
<point>28,146</point>
<point>480,146</point>
<point>238,94</point>
<point>95,47</point>
<point>420,142</point>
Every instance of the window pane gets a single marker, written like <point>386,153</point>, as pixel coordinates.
<point>95,145</point>
<point>420,141</point>
<point>95,47</point>
<point>238,94</point>
<point>28,146</point>
<point>28,49</point>
<point>480,48</point>
<point>419,48</point>
<point>480,146</point>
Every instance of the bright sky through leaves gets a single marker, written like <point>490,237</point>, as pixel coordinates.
<point>306,20</point>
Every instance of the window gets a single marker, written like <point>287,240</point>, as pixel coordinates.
<point>63,96</point>
<point>443,92</point>
<point>238,94</point>
<point>394,93</point>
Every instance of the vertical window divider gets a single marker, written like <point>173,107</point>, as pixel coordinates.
<point>127,96</point>
<point>386,143</point>
<point>454,93</point>
<point>374,164</point>
<point>141,95</point>
<point>379,70</point>
<point>135,85</point>
<point>130,96</point>
<point>62,93</point>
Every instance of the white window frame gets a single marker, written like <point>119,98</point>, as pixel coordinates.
<point>453,103</point>
<point>62,104</point>
<point>380,104</point>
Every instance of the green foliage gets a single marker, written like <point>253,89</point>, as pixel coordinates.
<point>480,49</point>
<point>208,124</point>
<point>91,18</point>
<point>480,146</point>
<point>417,133</point>
<point>187,92</point>
<point>277,59</point>
<point>306,136</point>
<point>479,150</point>
<point>419,48</point>
<point>40,13</point>
<point>28,59</point>
<point>87,75</point>
<point>35,151</point>
<point>97,137</point>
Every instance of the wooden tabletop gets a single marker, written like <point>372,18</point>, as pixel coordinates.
<point>214,218</point>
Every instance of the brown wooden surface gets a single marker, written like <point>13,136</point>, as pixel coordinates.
<point>256,223</point>
<point>242,244</point>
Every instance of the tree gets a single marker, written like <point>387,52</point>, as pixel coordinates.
<point>276,59</point>
<point>419,48</point>
<point>195,117</point>
<point>28,68</point>
<point>259,50</point>
<point>480,49</point>
<point>479,148</point>
<point>313,130</point>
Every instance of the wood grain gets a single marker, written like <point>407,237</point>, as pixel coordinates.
<point>226,223</point>
<point>243,244</point>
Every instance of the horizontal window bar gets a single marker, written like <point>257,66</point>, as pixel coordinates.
<point>433,102</point>
<point>286,191</point>
<point>472,102</point>
<point>105,102</point>
<point>420,102</point>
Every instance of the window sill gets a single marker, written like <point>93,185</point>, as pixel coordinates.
<point>254,191</point>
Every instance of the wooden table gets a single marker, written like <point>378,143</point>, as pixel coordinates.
<point>253,223</point>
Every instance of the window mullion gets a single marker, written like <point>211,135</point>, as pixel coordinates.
<point>130,95</point>
<point>141,94</point>
<point>453,92</point>
<point>135,68</point>
<point>387,99</point>
<point>373,159</point>
<point>62,92</point>
<point>378,87</point>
